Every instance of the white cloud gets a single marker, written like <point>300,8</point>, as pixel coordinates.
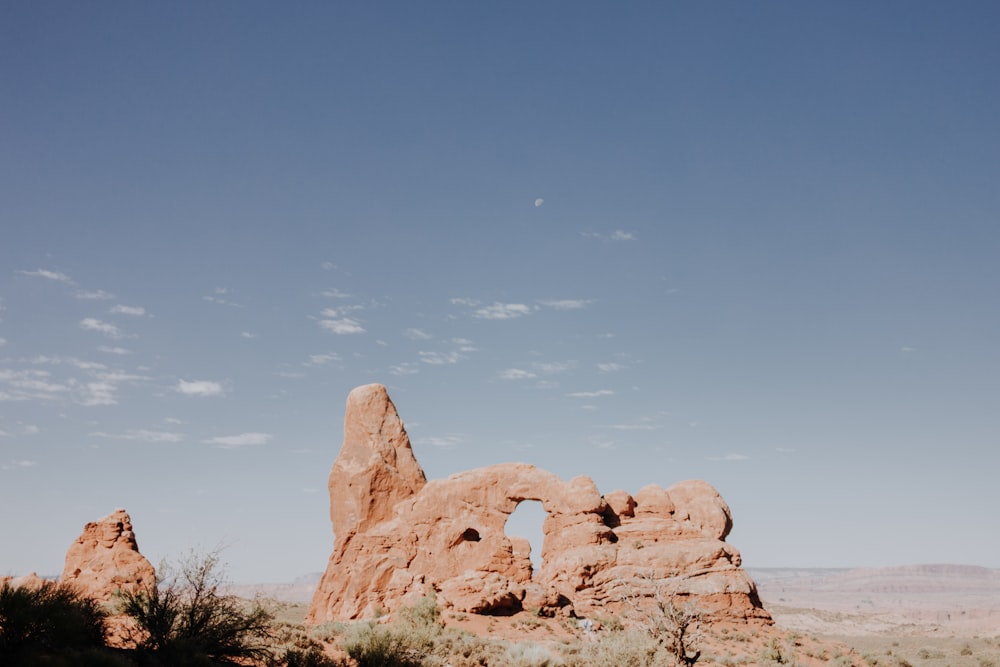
<point>114,350</point>
<point>634,427</point>
<point>94,295</point>
<point>516,374</point>
<point>31,429</point>
<point>323,359</point>
<point>97,393</point>
<point>539,202</point>
<point>784,450</point>
<point>405,368</point>
<point>502,311</point>
<point>621,235</point>
<point>20,464</point>
<point>461,301</point>
<point>247,334</point>
<point>137,311</point>
<point>417,334</point>
<point>3,341</point>
<point>199,388</point>
<point>143,435</point>
<point>50,275</point>
<point>591,394</point>
<point>729,457</point>
<point>567,304</point>
<point>440,358</point>
<point>443,442</point>
<point>907,348</point>
<point>105,328</point>
<point>328,266</point>
<point>71,361</point>
<point>345,325</point>
<point>335,294</point>
<point>241,440</point>
<point>464,344</point>
<point>609,367</point>
<point>554,367</point>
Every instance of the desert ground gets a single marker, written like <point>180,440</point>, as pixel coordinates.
<point>934,615</point>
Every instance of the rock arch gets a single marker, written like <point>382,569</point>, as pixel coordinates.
<point>398,536</point>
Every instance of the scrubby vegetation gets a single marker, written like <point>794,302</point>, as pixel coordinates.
<point>190,620</point>
<point>49,624</point>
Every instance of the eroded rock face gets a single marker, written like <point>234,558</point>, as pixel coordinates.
<point>106,558</point>
<point>398,537</point>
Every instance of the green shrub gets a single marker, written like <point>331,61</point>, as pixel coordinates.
<point>49,620</point>
<point>187,619</point>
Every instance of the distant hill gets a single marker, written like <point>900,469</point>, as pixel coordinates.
<point>961,599</point>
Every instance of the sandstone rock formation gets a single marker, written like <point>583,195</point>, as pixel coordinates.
<point>399,537</point>
<point>106,558</point>
<point>30,580</point>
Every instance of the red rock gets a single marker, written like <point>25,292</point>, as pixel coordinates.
<point>106,558</point>
<point>398,537</point>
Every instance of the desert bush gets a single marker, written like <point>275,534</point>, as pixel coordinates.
<point>52,620</point>
<point>621,648</point>
<point>187,619</point>
<point>376,645</point>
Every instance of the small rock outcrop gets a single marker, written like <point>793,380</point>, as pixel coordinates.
<point>398,537</point>
<point>106,558</point>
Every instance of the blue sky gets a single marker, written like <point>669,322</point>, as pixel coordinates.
<point>756,244</point>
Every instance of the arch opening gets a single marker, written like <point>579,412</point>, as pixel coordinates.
<point>526,522</point>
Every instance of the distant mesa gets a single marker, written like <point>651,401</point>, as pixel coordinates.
<point>106,558</point>
<point>398,537</point>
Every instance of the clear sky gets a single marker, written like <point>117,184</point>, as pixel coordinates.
<point>752,243</point>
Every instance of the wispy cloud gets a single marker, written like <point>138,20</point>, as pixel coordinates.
<point>3,341</point>
<point>567,304</point>
<point>464,344</point>
<point>241,440</point>
<point>539,202</point>
<point>417,334</point>
<point>516,374</point>
<point>405,368</point>
<point>462,301</point>
<point>30,384</point>
<point>199,388</point>
<point>440,358</point>
<point>610,367</point>
<point>591,394</point>
<point>23,463</point>
<point>142,435</point>
<point>502,311</point>
<point>218,296</point>
<point>342,326</point>
<point>443,442</point>
<point>114,350</point>
<point>106,328</point>
<point>554,367</point>
<point>617,235</point>
<point>333,293</point>
<point>94,295</point>
<point>634,427</point>
<point>137,311</point>
<point>322,359</point>
<point>729,457</point>
<point>247,334</point>
<point>58,276</point>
